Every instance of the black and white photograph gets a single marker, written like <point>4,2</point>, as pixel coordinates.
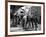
<point>24,18</point>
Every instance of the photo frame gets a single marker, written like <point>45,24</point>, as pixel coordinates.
<point>24,18</point>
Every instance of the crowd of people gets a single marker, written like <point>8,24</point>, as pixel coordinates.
<point>26,19</point>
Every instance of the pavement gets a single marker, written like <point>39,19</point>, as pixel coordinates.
<point>20,28</point>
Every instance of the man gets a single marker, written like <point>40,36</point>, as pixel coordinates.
<point>36,22</point>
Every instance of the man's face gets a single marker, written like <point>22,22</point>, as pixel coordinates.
<point>32,14</point>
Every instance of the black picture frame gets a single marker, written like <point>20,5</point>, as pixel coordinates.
<point>6,18</point>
